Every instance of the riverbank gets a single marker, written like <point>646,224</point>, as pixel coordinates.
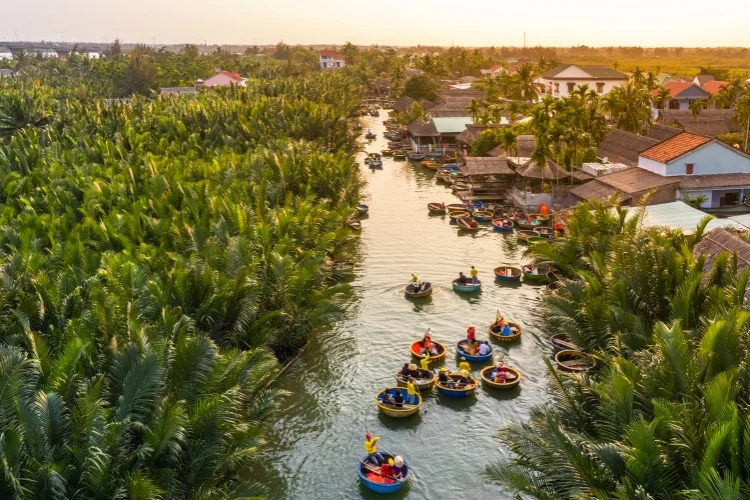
<point>318,436</point>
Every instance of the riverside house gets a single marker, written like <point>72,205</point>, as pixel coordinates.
<point>561,81</point>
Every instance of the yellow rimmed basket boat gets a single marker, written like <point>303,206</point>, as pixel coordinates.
<point>424,382</point>
<point>509,383</point>
<point>398,412</point>
<point>515,332</point>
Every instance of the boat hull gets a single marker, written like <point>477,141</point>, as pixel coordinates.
<point>468,288</point>
<point>426,292</point>
<point>383,488</point>
<point>463,392</point>
<point>498,226</point>
<point>416,347</point>
<point>510,273</point>
<point>412,409</point>
<point>473,359</point>
<point>568,355</point>
<point>556,345</point>
<point>424,383</point>
<point>505,386</point>
<point>515,329</point>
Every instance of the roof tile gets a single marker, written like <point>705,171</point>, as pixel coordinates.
<point>675,147</point>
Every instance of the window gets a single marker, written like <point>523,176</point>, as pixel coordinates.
<point>557,88</point>
<point>571,87</point>
<point>674,104</point>
<point>599,87</point>
<point>688,169</point>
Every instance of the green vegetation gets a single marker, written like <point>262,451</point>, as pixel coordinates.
<point>155,254</point>
<point>665,414</point>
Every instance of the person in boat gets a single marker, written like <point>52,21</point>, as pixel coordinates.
<point>474,273</point>
<point>464,365</point>
<point>506,331</point>
<point>443,376</point>
<point>528,268</point>
<point>372,450</point>
<point>465,379</point>
<point>414,280</point>
<point>388,399</point>
<point>427,346</point>
<point>462,280</point>
<point>484,349</point>
<point>498,375</point>
<point>499,323</point>
<point>425,363</point>
<point>411,391</point>
<point>471,333</point>
<point>442,205</point>
<point>398,399</point>
<point>399,471</point>
<point>386,470</point>
<point>474,224</point>
<point>412,371</point>
<point>405,370</point>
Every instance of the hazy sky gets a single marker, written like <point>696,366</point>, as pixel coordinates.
<point>388,22</point>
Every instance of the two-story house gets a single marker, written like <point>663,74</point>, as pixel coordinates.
<point>561,81</point>
<point>330,59</point>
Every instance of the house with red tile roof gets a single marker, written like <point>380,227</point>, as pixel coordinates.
<point>330,59</point>
<point>713,87</point>
<point>681,94</point>
<point>683,165</point>
<point>224,79</point>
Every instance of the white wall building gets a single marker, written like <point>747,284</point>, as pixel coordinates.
<point>224,79</point>
<point>330,59</point>
<point>703,166</point>
<point>561,81</point>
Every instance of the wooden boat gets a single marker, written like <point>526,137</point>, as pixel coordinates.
<point>528,225</point>
<point>432,165</point>
<point>424,291</point>
<point>512,378</point>
<point>370,136</point>
<point>469,287</point>
<point>561,342</point>
<point>415,156</point>
<point>452,391</point>
<point>502,226</point>
<point>436,207</point>
<point>461,186</point>
<point>515,332</point>
<point>394,146</point>
<point>416,349</point>
<point>536,239</point>
<point>483,216</point>
<point>424,382</point>
<point>399,156</point>
<point>473,358</point>
<point>534,273</point>
<point>574,361</point>
<point>545,232</point>
<point>406,411</point>
<point>386,152</point>
<point>456,207</point>
<point>370,477</point>
<point>523,235</point>
<point>362,209</point>
<point>434,154</point>
<point>455,215</point>
<point>542,218</point>
<point>467,224</point>
<point>354,223</point>
<point>427,163</point>
<point>454,167</point>
<point>508,273</point>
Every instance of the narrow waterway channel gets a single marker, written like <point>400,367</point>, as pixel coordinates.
<point>318,437</point>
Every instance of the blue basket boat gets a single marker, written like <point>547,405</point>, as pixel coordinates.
<point>467,288</point>
<point>476,358</point>
<point>502,225</point>
<point>451,391</point>
<point>365,467</point>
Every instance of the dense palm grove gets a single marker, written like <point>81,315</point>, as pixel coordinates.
<point>665,415</point>
<point>156,257</point>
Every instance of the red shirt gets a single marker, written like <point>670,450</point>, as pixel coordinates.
<point>471,334</point>
<point>386,470</point>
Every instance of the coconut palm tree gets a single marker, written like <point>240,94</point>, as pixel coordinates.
<point>525,77</point>
<point>662,96</point>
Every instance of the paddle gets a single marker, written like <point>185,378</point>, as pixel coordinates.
<point>566,344</point>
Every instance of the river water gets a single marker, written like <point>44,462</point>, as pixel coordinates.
<point>318,438</point>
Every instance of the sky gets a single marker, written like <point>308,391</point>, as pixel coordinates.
<point>471,23</point>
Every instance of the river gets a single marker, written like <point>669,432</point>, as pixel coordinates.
<point>318,438</point>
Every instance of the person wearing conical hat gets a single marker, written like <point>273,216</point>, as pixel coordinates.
<point>443,375</point>
<point>399,470</point>
<point>464,365</point>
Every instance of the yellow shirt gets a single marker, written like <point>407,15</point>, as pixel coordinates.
<point>410,388</point>
<point>464,365</point>
<point>474,273</point>
<point>425,363</point>
<point>370,447</point>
